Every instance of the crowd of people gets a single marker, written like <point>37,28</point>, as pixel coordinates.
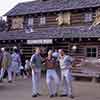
<point>58,67</point>
<point>13,64</point>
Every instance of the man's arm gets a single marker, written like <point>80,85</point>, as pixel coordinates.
<point>68,62</point>
<point>32,61</point>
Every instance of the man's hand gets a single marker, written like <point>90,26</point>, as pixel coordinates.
<point>32,66</point>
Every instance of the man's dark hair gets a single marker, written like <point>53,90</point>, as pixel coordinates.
<point>7,49</point>
<point>15,50</point>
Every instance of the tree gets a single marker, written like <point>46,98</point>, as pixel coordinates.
<point>2,24</point>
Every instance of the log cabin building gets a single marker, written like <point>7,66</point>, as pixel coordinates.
<point>54,24</point>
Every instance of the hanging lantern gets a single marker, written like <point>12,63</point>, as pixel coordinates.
<point>15,40</point>
<point>89,39</point>
<point>55,39</point>
<point>3,41</point>
<point>80,39</point>
<point>74,47</point>
<point>72,39</point>
<point>98,39</point>
<point>63,39</point>
<point>21,40</point>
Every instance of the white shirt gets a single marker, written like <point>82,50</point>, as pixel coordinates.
<point>65,62</point>
<point>55,54</point>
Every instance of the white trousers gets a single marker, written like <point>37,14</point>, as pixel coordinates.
<point>13,68</point>
<point>9,74</point>
<point>51,76</point>
<point>2,71</point>
<point>36,81</point>
<point>67,79</point>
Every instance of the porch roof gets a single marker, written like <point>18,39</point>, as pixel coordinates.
<point>51,33</point>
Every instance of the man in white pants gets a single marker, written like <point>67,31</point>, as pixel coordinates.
<point>36,64</point>
<point>6,62</point>
<point>66,65</point>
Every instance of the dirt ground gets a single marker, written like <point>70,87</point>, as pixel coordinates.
<point>21,90</point>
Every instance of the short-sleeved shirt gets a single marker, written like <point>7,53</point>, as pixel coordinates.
<point>36,59</point>
<point>51,63</point>
<point>65,62</point>
<point>55,54</point>
<point>16,58</point>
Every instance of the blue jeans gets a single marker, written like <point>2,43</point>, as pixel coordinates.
<point>36,81</point>
<point>51,76</point>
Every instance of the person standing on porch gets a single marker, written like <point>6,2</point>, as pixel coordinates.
<point>36,65</point>
<point>65,62</point>
<point>52,78</point>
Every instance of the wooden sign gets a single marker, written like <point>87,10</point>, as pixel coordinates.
<point>40,41</point>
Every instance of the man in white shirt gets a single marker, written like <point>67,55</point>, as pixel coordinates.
<point>65,62</point>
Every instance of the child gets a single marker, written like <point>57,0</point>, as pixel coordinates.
<point>22,72</point>
<point>28,68</point>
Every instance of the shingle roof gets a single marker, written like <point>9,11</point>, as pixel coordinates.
<point>55,32</point>
<point>40,6</point>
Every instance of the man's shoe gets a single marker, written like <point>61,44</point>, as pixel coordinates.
<point>38,94</point>
<point>63,95</point>
<point>1,81</point>
<point>9,81</point>
<point>51,96</point>
<point>55,94</point>
<point>34,96</point>
<point>71,96</point>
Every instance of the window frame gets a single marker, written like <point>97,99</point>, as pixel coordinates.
<point>30,21</point>
<point>42,20</point>
<point>91,52</point>
<point>87,17</point>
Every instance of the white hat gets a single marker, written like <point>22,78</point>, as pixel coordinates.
<point>14,47</point>
<point>3,49</point>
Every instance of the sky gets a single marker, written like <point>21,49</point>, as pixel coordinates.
<point>6,5</point>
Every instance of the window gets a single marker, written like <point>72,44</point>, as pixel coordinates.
<point>88,17</point>
<point>64,18</point>
<point>67,17</point>
<point>91,52</point>
<point>42,20</point>
<point>30,21</point>
<point>17,23</point>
